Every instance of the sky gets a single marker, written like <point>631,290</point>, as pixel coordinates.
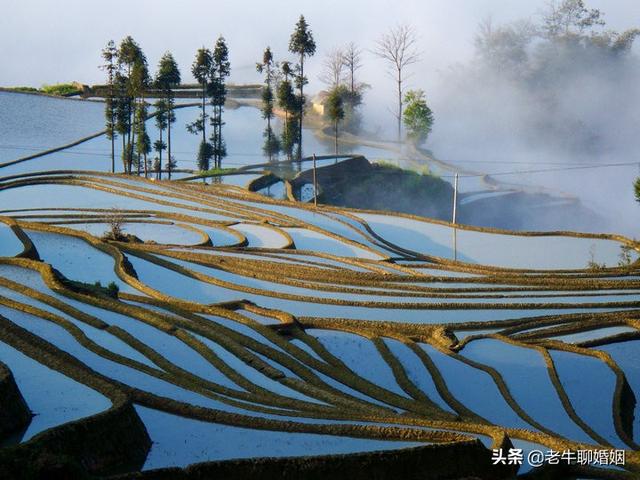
<point>44,42</point>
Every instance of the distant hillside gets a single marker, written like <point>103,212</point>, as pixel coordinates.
<point>357,183</point>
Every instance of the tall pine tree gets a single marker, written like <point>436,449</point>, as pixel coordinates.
<point>221,69</point>
<point>271,145</point>
<point>110,66</point>
<point>133,81</point>
<point>302,44</point>
<point>159,145</point>
<point>202,72</point>
<point>167,78</point>
<point>287,101</point>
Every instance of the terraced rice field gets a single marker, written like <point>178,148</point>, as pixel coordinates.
<point>267,327</point>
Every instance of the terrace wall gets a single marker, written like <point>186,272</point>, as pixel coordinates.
<point>14,412</point>
<point>451,461</point>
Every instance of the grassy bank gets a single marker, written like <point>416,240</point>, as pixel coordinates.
<point>58,89</point>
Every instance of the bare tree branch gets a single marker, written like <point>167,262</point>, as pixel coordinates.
<point>352,61</point>
<point>333,68</point>
<point>398,48</point>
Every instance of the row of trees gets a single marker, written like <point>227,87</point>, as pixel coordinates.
<point>129,80</point>
<point>211,69</point>
<point>345,92</point>
<point>284,84</point>
<point>126,109</point>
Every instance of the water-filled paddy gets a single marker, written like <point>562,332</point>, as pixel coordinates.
<point>10,245</point>
<point>524,371</point>
<point>512,251</point>
<point>329,353</point>
<point>52,397</point>
<point>33,123</point>
<point>180,442</point>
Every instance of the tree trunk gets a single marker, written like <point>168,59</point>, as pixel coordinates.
<point>204,110</point>
<point>219,126</point>
<point>160,157</point>
<point>124,154</point>
<point>217,129</point>
<point>301,106</point>
<point>353,85</point>
<point>169,137</point>
<point>131,142</point>
<point>113,151</point>
<point>113,140</point>
<point>399,105</point>
<point>269,133</point>
<point>336,138</point>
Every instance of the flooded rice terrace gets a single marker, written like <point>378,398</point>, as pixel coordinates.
<point>230,323</point>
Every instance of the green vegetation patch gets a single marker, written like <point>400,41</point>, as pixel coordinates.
<point>58,89</point>
<point>61,89</point>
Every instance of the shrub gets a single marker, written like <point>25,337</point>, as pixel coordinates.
<point>113,289</point>
<point>115,220</point>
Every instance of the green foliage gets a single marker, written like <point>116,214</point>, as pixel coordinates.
<point>159,146</point>
<point>217,90</point>
<point>128,79</point>
<point>161,118</point>
<point>205,153</point>
<point>301,41</point>
<point>61,89</point>
<point>302,44</point>
<point>24,89</point>
<point>335,109</point>
<point>96,288</point>
<point>170,165</point>
<point>335,103</point>
<point>129,52</point>
<point>289,136</point>
<point>636,188</point>
<point>143,144</point>
<point>217,171</point>
<point>417,116</point>
<point>168,76</point>
<point>286,98</point>
<point>267,102</point>
<point>122,104</point>
<point>201,69</point>
<point>113,289</point>
<point>271,146</point>
<point>288,102</point>
<point>58,89</point>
